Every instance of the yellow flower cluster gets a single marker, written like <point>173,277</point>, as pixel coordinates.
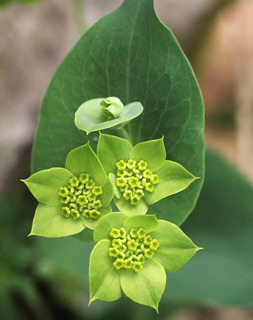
<point>133,179</point>
<point>131,250</point>
<point>80,198</point>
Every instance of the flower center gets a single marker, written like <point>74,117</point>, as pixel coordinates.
<point>134,179</point>
<point>79,197</point>
<point>130,250</point>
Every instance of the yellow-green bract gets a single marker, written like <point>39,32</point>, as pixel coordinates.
<point>144,285</point>
<point>140,174</point>
<point>71,198</point>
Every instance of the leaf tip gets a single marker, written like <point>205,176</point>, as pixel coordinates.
<point>100,134</point>
<point>156,309</point>
<point>91,300</point>
<point>24,181</point>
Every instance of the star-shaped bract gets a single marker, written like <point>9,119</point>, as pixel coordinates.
<point>118,264</point>
<point>70,198</point>
<point>141,175</point>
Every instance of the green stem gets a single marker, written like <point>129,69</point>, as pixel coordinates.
<point>125,134</point>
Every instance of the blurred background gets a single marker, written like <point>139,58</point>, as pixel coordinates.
<point>37,277</point>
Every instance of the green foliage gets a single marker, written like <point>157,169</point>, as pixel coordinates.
<point>129,54</point>
<point>222,222</point>
<point>17,256</point>
<point>5,2</point>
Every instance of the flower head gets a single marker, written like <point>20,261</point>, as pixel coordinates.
<point>141,175</point>
<point>112,107</point>
<point>133,254</point>
<point>73,198</point>
<point>131,249</point>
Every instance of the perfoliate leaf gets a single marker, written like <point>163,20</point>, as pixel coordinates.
<point>104,278</point>
<point>44,185</point>
<point>90,116</point>
<point>128,54</point>
<point>144,287</point>
<point>49,222</point>
<point>175,248</point>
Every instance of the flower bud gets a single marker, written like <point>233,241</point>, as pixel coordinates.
<point>112,107</point>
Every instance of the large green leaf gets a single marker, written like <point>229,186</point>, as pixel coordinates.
<point>65,256</point>
<point>129,54</point>
<point>222,223</point>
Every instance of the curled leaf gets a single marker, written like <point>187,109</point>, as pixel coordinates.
<point>104,113</point>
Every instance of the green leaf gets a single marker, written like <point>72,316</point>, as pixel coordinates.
<point>175,248</point>
<point>106,224</point>
<point>129,209</point>
<point>111,149</point>
<point>116,190</point>
<point>84,159</point>
<point>5,2</point>
<point>104,278</point>
<point>129,54</point>
<point>90,223</point>
<point>173,178</point>
<point>147,222</point>
<point>49,222</point>
<point>90,117</point>
<point>144,287</point>
<point>65,256</point>
<point>222,223</point>
<point>153,152</point>
<point>45,184</point>
<point>85,236</point>
<point>107,195</point>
